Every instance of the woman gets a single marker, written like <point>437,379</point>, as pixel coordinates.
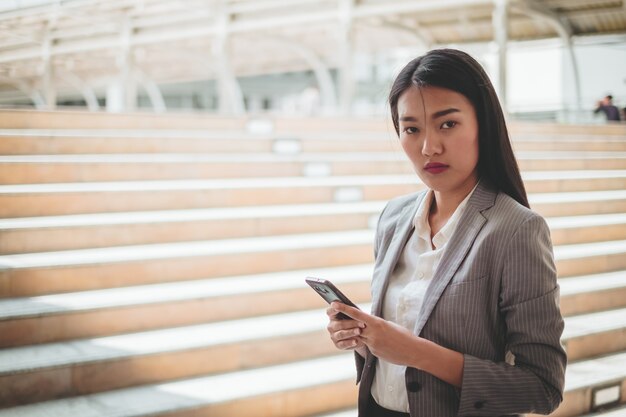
<point>465,318</point>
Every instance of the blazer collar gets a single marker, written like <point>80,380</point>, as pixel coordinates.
<point>402,232</point>
<point>470,224</point>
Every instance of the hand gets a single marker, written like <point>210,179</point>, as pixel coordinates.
<point>345,333</point>
<point>395,344</point>
<point>386,340</point>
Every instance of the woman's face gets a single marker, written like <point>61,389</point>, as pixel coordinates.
<point>439,134</point>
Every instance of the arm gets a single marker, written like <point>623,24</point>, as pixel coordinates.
<point>599,107</point>
<point>529,302</point>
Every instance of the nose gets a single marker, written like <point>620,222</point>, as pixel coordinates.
<point>432,144</point>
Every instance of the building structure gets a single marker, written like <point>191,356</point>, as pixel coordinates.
<point>109,53</point>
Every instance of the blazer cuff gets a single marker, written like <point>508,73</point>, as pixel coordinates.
<point>490,388</point>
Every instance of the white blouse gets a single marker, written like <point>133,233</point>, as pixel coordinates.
<point>405,294</point>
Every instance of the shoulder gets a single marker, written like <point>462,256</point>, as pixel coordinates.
<point>396,206</point>
<point>509,216</point>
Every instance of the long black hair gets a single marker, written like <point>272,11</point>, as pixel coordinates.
<point>457,71</point>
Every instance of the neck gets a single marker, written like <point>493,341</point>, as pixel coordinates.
<point>445,203</point>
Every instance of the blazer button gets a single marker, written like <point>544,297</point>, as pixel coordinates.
<point>479,404</point>
<point>413,386</point>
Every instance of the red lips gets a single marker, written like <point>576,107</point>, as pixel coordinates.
<point>435,167</point>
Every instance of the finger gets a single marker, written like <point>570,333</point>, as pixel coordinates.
<point>347,344</point>
<point>337,324</point>
<point>341,323</point>
<point>353,313</point>
<point>332,313</point>
<point>347,334</point>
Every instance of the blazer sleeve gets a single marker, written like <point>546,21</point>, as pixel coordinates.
<point>359,360</point>
<point>529,304</point>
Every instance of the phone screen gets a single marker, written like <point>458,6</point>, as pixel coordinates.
<point>330,293</point>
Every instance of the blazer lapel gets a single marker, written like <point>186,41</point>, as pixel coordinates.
<point>401,234</point>
<point>470,223</point>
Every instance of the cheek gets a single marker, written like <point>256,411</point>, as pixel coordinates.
<point>411,149</point>
<point>469,148</point>
<point>472,157</point>
<point>472,150</point>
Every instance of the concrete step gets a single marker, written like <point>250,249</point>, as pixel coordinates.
<point>555,143</point>
<point>50,233</point>
<point>95,121</point>
<point>595,334</point>
<point>618,411</point>
<point>65,271</point>
<point>95,365</point>
<point>84,269</point>
<point>293,389</point>
<point>584,229</point>
<point>103,141</point>
<point>578,203</point>
<point>583,378</point>
<point>99,141</point>
<point>56,317</point>
<point>568,181</point>
<point>350,412</point>
<point>555,131</point>
<point>189,122</point>
<point>40,234</point>
<point>286,390</point>
<point>569,160</point>
<point>590,258</point>
<point>32,169</point>
<point>592,293</point>
<point>185,122</point>
<point>75,198</point>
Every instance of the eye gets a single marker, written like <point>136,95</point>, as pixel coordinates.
<point>410,130</point>
<point>448,124</point>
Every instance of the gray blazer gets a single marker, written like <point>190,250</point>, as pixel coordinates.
<point>494,297</point>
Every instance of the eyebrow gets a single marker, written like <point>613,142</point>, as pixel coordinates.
<point>436,115</point>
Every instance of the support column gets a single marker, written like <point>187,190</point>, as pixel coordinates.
<point>573,64</point>
<point>48,85</point>
<point>122,92</point>
<point>537,10</point>
<point>129,85</point>
<point>115,96</point>
<point>346,56</point>
<point>85,90</point>
<point>320,69</point>
<point>229,92</point>
<point>152,90</point>
<point>28,90</point>
<point>501,34</point>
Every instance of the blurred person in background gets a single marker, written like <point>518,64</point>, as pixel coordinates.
<point>465,302</point>
<point>608,108</point>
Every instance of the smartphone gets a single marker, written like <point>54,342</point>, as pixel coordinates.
<point>330,293</point>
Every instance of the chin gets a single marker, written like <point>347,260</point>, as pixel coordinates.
<point>436,184</point>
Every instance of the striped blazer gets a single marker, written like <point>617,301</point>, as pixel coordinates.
<point>494,297</point>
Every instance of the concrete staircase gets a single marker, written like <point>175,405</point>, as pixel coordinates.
<point>155,265</point>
